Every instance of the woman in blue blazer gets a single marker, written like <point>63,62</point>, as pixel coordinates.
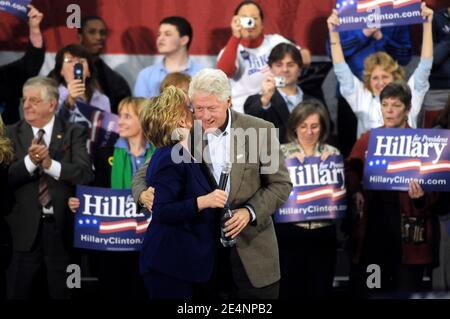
<point>177,256</point>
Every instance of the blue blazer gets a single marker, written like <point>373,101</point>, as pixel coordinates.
<point>180,240</point>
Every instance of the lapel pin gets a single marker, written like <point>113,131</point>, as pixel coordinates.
<point>59,136</point>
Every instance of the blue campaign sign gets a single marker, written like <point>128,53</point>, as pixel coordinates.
<point>360,14</point>
<point>397,156</point>
<point>108,220</point>
<point>103,126</point>
<point>318,190</point>
<point>16,7</point>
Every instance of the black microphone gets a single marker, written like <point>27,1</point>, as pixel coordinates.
<point>227,213</point>
<point>226,169</point>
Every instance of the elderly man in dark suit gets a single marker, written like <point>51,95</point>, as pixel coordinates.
<point>51,158</point>
<point>259,184</point>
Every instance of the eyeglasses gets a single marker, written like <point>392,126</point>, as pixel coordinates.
<point>32,100</point>
<point>74,61</point>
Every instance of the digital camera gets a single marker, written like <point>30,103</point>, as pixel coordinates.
<point>247,23</point>
<point>279,81</point>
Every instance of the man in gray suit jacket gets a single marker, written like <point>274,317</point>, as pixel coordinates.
<point>259,184</point>
<point>51,158</point>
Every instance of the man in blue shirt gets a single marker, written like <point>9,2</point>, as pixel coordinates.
<point>173,42</point>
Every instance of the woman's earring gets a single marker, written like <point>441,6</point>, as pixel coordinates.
<point>177,134</point>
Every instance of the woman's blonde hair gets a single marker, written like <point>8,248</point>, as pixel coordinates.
<point>386,62</point>
<point>161,118</point>
<point>135,103</point>
<point>6,149</point>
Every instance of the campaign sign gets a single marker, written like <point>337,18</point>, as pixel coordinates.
<point>108,220</point>
<point>103,127</point>
<point>360,14</point>
<point>318,190</point>
<point>16,7</point>
<point>395,157</point>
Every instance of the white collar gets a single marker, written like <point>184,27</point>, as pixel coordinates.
<point>48,128</point>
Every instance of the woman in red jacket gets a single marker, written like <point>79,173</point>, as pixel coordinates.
<point>383,216</point>
<point>244,58</point>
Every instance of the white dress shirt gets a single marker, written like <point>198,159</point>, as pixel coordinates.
<point>55,168</point>
<point>219,152</point>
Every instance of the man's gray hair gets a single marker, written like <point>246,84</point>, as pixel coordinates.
<point>50,86</point>
<point>210,82</point>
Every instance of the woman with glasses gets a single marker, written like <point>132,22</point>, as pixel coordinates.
<point>307,249</point>
<point>71,90</point>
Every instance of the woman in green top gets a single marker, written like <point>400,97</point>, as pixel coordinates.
<point>118,272</point>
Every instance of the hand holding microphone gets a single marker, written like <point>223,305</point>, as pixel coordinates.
<point>218,197</point>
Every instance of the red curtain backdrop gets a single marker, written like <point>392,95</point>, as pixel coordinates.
<point>133,24</point>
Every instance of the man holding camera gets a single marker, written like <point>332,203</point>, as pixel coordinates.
<point>279,91</point>
<point>244,58</point>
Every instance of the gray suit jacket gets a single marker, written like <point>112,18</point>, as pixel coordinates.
<point>68,146</point>
<point>256,244</point>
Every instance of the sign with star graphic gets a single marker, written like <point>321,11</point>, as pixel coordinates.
<point>395,157</point>
<point>318,191</point>
<point>107,219</point>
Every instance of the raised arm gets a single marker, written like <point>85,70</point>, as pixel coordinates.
<point>34,22</point>
<point>337,54</point>
<point>227,59</point>
<point>427,35</point>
